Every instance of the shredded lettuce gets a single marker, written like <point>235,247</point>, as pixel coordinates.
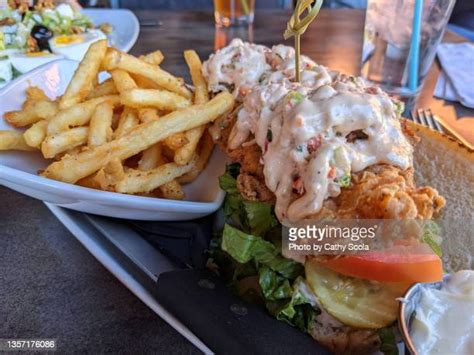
<point>431,236</point>
<point>256,218</point>
<point>282,297</point>
<point>388,344</point>
<point>260,217</point>
<point>245,247</point>
<point>251,240</point>
<point>274,286</point>
<point>288,304</point>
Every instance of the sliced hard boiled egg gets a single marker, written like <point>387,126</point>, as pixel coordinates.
<point>75,46</point>
<point>24,62</point>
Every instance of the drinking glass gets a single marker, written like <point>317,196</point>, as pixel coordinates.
<point>394,33</point>
<point>234,12</point>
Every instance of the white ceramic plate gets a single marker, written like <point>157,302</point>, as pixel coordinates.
<point>18,170</point>
<point>125,24</point>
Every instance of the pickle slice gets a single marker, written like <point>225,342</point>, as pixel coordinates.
<point>355,302</point>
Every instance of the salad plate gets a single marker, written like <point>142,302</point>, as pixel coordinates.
<point>124,22</point>
<point>29,39</point>
<point>18,170</point>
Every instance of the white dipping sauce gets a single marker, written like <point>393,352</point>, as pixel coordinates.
<point>444,319</point>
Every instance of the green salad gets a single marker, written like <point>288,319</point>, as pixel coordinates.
<point>16,26</point>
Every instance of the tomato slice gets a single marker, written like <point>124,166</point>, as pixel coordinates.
<point>388,266</point>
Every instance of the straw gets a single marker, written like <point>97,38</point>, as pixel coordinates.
<point>415,47</point>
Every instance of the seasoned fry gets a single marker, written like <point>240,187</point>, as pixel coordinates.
<point>105,178</point>
<point>145,83</point>
<point>100,128</point>
<point>77,115</point>
<point>176,141</point>
<point>172,190</point>
<point>84,78</point>
<point>200,86</point>
<point>36,134</point>
<point>107,87</point>
<point>184,154</point>
<point>119,60</point>
<point>153,58</point>
<point>146,134</point>
<point>205,150</point>
<point>13,140</point>
<point>136,181</point>
<point>151,158</point>
<point>61,142</point>
<point>123,81</point>
<point>128,120</point>
<point>34,93</point>
<point>148,114</point>
<point>161,99</point>
<point>33,112</point>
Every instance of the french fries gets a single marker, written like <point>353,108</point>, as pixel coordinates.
<point>118,60</point>
<point>77,115</point>
<point>172,190</point>
<point>105,88</point>
<point>13,140</point>
<point>70,169</point>
<point>148,114</point>
<point>184,154</point>
<point>33,112</point>
<point>84,77</point>
<point>176,141</point>
<point>161,99</point>
<point>153,58</point>
<point>100,128</point>
<point>205,150</point>
<point>128,120</point>
<point>200,86</point>
<point>123,81</point>
<point>62,142</point>
<point>137,181</point>
<point>138,132</point>
<point>151,158</point>
<point>105,178</point>
<point>36,134</point>
<point>34,93</point>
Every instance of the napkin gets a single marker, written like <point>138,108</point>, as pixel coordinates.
<point>455,80</point>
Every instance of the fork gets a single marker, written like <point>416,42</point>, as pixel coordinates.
<point>426,118</point>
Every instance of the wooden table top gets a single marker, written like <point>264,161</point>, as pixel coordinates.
<point>334,40</point>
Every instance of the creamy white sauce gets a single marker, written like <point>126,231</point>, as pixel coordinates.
<point>239,65</point>
<point>302,127</point>
<point>444,319</point>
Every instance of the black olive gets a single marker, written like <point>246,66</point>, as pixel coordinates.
<point>42,35</point>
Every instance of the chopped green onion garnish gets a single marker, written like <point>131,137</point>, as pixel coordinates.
<point>345,180</point>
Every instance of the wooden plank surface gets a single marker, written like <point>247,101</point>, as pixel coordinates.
<point>334,40</point>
